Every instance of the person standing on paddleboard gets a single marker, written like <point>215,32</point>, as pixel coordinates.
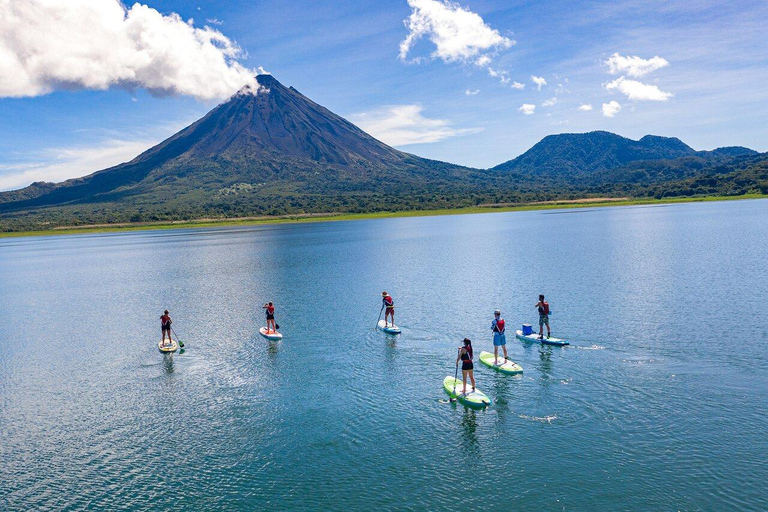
<point>389,307</point>
<point>498,326</point>
<point>165,325</point>
<point>543,307</point>
<point>270,316</point>
<point>467,367</point>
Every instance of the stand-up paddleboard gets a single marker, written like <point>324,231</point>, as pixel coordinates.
<point>392,329</point>
<point>475,399</point>
<point>271,335</point>
<point>510,367</point>
<point>168,348</point>
<point>534,338</point>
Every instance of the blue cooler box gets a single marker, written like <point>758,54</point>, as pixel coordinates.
<point>527,329</point>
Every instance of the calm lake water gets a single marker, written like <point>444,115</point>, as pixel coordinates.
<point>660,403</point>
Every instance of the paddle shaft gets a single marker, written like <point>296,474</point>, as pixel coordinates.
<point>455,376</point>
<point>181,343</point>
<point>380,312</point>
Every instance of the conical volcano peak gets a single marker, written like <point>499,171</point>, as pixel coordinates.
<point>268,81</point>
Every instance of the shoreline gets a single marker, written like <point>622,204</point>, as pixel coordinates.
<point>333,217</point>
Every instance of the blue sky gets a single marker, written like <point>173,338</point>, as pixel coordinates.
<point>695,70</point>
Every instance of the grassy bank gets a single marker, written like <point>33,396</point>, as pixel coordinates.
<point>254,221</point>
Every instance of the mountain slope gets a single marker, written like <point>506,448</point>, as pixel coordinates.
<point>575,157</point>
<point>273,138</point>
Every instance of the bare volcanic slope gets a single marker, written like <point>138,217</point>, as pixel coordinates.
<point>257,149</point>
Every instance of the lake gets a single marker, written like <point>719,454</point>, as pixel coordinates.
<point>660,403</point>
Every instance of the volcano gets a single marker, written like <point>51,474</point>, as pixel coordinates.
<point>267,145</point>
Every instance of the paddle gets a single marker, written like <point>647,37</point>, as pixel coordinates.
<point>455,377</point>
<point>379,320</point>
<point>181,343</point>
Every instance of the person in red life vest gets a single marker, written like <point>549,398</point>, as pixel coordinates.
<point>389,307</point>
<point>270,316</point>
<point>165,325</point>
<point>543,307</point>
<point>498,327</point>
<point>467,367</point>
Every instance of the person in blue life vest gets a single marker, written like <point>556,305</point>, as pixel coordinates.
<point>467,366</point>
<point>165,325</point>
<point>389,307</point>
<point>543,307</point>
<point>270,316</point>
<point>498,327</point>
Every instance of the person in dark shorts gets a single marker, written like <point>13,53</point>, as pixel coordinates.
<point>543,307</point>
<point>389,307</point>
<point>165,325</point>
<point>270,316</point>
<point>467,367</point>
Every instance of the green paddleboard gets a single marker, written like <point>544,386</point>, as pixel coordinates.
<point>475,399</point>
<point>510,367</point>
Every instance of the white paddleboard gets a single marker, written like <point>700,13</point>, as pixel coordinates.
<point>168,348</point>
<point>534,338</point>
<point>271,335</point>
<point>392,329</point>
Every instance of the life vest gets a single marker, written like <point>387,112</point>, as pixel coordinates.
<point>389,302</point>
<point>467,355</point>
<point>165,320</point>
<point>544,308</point>
<point>271,310</point>
<point>499,326</point>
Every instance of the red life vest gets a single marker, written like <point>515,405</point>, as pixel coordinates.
<point>271,310</point>
<point>500,325</point>
<point>388,301</point>
<point>165,320</point>
<point>544,308</point>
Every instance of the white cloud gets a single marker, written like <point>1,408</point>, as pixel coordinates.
<point>459,35</point>
<point>399,125</point>
<point>633,65</point>
<point>527,109</point>
<point>539,81</point>
<point>611,109</point>
<point>638,91</point>
<point>48,45</point>
<point>59,164</point>
<point>518,86</point>
<point>550,102</point>
<point>214,21</point>
<point>472,93</point>
<point>586,107</point>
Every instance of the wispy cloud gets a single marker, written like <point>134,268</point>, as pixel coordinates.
<point>539,81</point>
<point>527,109</point>
<point>611,109</point>
<point>633,65</point>
<point>59,164</point>
<point>472,93</point>
<point>518,86</point>
<point>400,125</point>
<point>550,102</point>
<point>638,91</point>
<point>586,107</point>
<point>48,45</point>
<point>214,21</point>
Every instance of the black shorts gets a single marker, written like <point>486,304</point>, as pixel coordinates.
<point>270,317</point>
<point>467,365</point>
<point>165,328</point>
